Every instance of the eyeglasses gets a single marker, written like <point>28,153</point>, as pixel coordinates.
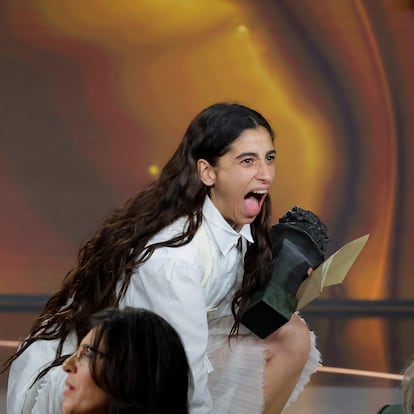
<point>86,352</point>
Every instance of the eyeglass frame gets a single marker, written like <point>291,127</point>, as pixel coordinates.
<point>81,353</point>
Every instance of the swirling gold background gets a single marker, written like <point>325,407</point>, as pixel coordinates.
<point>96,95</point>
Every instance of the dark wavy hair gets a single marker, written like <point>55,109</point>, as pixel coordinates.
<point>106,261</point>
<point>144,368</point>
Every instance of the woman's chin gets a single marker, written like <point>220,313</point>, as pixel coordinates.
<point>66,407</point>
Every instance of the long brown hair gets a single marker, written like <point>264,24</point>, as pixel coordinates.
<point>106,261</point>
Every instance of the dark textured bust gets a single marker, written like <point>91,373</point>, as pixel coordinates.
<point>306,222</point>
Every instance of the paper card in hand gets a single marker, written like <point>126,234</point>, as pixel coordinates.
<point>331,272</point>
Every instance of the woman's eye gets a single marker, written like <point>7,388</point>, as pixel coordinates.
<point>87,353</point>
<point>248,161</point>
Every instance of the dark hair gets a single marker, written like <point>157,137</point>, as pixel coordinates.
<point>145,368</point>
<point>106,261</point>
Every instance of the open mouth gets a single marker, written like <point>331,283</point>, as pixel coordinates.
<point>253,201</point>
<point>69,387</point>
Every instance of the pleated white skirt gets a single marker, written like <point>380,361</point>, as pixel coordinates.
<point>236,382</point>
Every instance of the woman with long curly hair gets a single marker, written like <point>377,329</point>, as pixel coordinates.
<point>192,247</point>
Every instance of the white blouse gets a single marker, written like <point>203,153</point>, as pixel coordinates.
<point>172,283</point>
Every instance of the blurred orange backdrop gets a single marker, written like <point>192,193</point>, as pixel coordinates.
<point>96,95</point>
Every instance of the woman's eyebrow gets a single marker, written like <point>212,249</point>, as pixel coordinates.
<point>247,154</point>
<point>254,154</point>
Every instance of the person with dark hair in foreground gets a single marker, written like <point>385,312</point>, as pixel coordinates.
<point>131,361</point>
<point>192,247</point>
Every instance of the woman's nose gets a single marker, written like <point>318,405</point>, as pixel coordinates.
<point>69,365</point>
<point>266,173</point>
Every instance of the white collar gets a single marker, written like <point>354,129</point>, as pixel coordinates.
<point>226,237</point>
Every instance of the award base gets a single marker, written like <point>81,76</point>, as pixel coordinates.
<point>273,307</point>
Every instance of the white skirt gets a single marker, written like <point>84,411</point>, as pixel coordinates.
<point>236,382</point>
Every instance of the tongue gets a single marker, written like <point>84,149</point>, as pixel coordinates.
<point>252,206</point>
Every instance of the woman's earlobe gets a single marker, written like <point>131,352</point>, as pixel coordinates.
<point>206,172</point>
